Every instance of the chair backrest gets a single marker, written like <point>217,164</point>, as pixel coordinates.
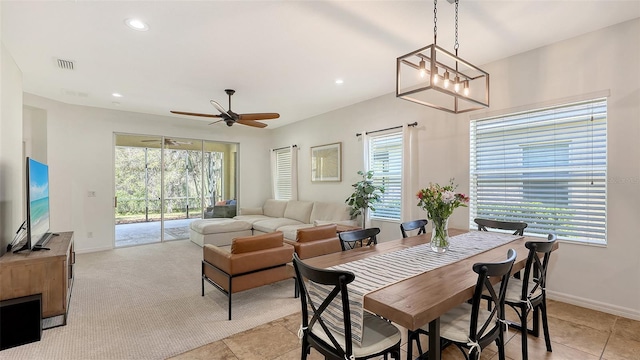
<point>313,313</point>
<point>535,271</point>
<point>517,226</point>
<point>350,239</point>
<point>488,330</point>
<point>412,225</point>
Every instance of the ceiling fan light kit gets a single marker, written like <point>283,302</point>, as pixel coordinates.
<point>230,118</point>
<point>434,77</point>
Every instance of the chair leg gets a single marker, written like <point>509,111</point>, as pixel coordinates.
<point>413,335</point>
<point>524,331</point>
<point>545,325</point>
<point>305,349</point>
<point>536,322</point>
<point>296,290</point>
<point>500,344</point>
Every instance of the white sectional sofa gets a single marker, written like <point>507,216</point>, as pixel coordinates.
<point>274,215</point>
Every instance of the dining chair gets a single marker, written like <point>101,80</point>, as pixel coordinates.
<point>528,293</point>
<point>413,225</point>
<point>379,337</point>
<point>355,238</point>
<point>517,226</point>
<point>470,327</point>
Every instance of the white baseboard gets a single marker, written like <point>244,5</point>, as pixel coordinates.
<point>84,251</point>
<point>594,305</point>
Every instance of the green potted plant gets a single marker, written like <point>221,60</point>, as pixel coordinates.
<point>364,196</point>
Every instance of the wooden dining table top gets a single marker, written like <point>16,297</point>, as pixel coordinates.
<point>414,302</point>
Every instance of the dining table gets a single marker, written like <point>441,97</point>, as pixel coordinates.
<point>420,300</point>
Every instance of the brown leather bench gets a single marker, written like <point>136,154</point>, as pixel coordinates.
<point>253,261</point>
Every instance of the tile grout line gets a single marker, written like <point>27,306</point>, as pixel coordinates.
<point>609,337</point>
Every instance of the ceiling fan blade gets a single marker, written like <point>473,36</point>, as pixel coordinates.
<point>219,107</point>
<point>195,114</point>
<point>258,116</point>
<point>252,123</point>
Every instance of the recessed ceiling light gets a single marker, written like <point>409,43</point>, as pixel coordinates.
<point>117,95</point>
<point>137,24</point>
<point>339,81</point>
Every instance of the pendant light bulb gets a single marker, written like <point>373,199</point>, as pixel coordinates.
<point>456,84</point>
<point>446,79</point>
<point>466,88</point>
<point>435,76</point>
<point>423,69</point>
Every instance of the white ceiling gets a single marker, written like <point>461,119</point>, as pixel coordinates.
<point>280,56</point>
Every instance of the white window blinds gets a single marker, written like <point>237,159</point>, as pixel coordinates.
<point>283,174</point>
<point>385,159</point>
<point>547,168</point>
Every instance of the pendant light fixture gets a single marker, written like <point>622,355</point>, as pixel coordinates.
<point>434,77</point>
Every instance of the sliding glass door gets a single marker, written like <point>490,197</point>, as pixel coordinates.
<point>182,199</point>
<point>162,184</point>
<point>138,188</point>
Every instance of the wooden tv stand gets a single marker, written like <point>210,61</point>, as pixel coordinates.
<point>46,272</point>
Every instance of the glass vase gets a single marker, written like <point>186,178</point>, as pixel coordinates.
<point>440,235</point>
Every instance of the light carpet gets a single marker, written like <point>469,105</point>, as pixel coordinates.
<point>144,302</point>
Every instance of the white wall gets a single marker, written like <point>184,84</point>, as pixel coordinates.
<point>34,133</point>
<point>11,161</point>
<point>80,158</point>
<point>605,278</point>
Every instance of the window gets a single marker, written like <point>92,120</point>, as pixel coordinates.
<point>547,168</point>
<point>282,178</point>
<point>385,160</point>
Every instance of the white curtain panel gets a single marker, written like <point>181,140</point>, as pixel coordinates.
<point>274,173</point>
<point>365,151</point>
<point>409,174</point>
<point>294,171</point>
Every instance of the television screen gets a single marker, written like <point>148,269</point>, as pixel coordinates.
<point>37,202</point>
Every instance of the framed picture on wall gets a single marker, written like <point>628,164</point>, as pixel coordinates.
<point>326,162</point>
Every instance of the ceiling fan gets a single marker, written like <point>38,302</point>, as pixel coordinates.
<point>230,117</point>
<point>168,142</point>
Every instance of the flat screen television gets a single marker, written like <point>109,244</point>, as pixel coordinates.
<point>37,223</point>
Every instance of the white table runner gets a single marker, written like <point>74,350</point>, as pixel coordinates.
<point>378,271</point>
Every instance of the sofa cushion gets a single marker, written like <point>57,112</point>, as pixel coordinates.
<point>256,243</point>
<point>299,210</point>
<point>274,208</point>
<point>291,231</point>
<point>251,218</point>
<point>335,222</point>
<point>274,224</point>
<point>251,211</point>
<point>316,233</point>
<point>329,211</point>
<point>215,226</point>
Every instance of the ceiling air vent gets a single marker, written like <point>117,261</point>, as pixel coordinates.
<point>65,64</point>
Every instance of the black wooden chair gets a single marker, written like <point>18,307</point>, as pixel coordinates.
<point>379,337</point>
<point>516,226</point>
<point>356,238</point>
<point>470,327</point>
<point>413,225</point>
<point>528,293</point>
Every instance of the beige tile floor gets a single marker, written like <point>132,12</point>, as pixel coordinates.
<point>576,334</point>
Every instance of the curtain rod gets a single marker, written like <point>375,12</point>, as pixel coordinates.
<point>391,128</point>
<point>284,147</point>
